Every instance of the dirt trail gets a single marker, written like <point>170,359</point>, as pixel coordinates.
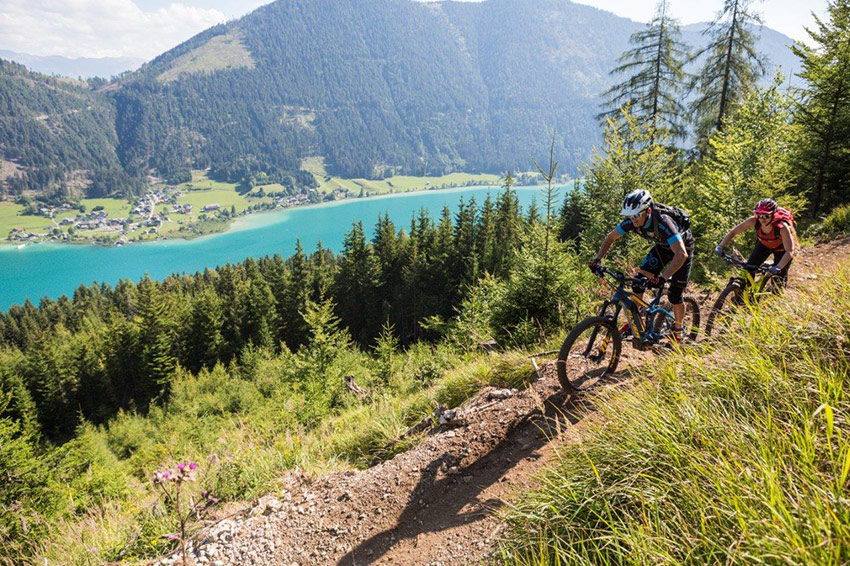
<point>434,504</point>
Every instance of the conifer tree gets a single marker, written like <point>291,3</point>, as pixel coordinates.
<point>485,236</point>
<point>355,286</point>
<point>653,89</point>
<point>463,250</point>
<point>293,329</point>
<point>322,271</point>
<point>233,290</point>
<point>156,338</point>
<point>732,65</point>
<point>204,340</point>
<point>260,314</point>
<point>391,253</point>
<point>824,109</point>
<point>508,227</point>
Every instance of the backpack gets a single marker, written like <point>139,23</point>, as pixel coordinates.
<point>783,215</point>
<point>786,216</point>
<point>680,216</point>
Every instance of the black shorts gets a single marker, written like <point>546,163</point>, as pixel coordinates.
<point>654,263</point>
<point>761,253</point>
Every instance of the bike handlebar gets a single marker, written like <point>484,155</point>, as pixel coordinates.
<point>622,279</point>
<point>764,268</point>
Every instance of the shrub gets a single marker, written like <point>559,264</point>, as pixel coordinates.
<point>834,225</point>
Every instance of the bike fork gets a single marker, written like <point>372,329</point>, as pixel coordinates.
<point>603,347</point>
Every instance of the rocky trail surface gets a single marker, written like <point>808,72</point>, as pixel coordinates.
<point>437,503</point>
<point>434,504</point>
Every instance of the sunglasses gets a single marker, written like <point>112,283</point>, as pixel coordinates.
<point>764,215</point>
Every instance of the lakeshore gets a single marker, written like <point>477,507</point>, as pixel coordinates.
<point>192,209</point>
<point>52,269</point>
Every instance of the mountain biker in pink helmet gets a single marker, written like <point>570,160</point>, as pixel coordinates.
<point>670,257</point>
<point>774,227</point>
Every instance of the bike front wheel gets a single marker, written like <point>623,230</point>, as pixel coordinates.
<point>590,354</point>
<point>720,316</point>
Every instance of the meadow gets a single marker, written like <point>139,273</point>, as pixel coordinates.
<point>202,190</point>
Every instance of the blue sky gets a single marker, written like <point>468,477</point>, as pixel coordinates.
<point>146,28</point>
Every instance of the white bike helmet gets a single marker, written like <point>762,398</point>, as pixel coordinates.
<point>636,202</point>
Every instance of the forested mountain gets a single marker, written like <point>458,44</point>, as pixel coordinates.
<point>375,87</point>
<point>57,134</point>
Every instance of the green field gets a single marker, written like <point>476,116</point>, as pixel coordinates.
<point>394,184</point>
<point>11,217</point>
<point>202,190</point>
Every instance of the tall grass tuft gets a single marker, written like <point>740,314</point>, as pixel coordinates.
<point>735,453</point>
<point>836,224</point>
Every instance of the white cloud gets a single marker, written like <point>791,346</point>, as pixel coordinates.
<point>99,28</point>
<point>786,16</point>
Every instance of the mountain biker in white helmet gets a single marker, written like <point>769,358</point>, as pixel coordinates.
<point>668,228</point>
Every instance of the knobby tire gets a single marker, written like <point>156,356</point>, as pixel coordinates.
<point>733,289</point>
<point>568,377</point>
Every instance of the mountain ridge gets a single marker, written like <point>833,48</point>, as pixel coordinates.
<point>74,67</point>
<point>374,88</point>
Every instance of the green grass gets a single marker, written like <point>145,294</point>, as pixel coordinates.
<point>735,453</point>
<point>835,224</point>
<point>115,208</point>
<point>394,184</point>
<point>226,197</point>
<point>219,53</point>
<point>11,217</point>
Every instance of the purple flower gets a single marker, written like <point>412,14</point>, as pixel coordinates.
<point>192,465</point>
<point>181,466</point>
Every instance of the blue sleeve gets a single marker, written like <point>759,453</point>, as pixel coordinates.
<point>669,229</point>
<point>625,226</point>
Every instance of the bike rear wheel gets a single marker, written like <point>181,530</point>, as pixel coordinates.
<point>690,323</point>
<point>729,299</point>
<point>590,354</point>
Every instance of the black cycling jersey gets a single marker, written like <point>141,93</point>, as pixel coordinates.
<point>659,229</point>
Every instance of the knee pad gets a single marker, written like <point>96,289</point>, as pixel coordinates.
<point>675,294</point>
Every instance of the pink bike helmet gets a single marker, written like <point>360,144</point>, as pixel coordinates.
<point>765,206</point>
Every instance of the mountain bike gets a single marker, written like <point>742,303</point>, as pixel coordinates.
<point>591,351</point>
<point>739,291</point>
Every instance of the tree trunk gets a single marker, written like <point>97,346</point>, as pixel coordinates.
<point>728,68</point>
<point>827,149</point>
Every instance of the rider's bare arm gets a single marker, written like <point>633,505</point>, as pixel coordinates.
<point>612,237</point>
<point>788,244</point>
<point>681,255</point>
<point>743,226</point>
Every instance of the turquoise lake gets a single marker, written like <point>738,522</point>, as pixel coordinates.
<point>51,270</point>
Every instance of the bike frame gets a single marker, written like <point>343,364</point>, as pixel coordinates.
<point>641,324</point>
<point>747,281</point>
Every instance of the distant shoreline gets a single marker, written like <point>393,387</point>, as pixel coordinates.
<point>249,220</point>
